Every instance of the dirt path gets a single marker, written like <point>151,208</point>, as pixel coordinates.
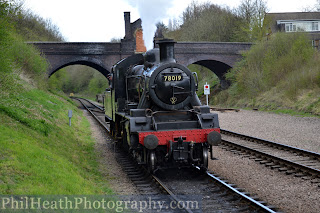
<point>109,167</point>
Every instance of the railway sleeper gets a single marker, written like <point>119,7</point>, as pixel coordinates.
<point>283,169</point>
<point>134,179</point>
<point>276,166</point>
<point>133,173</point>
<point>149,193</point>
<point>216,191</point>
<point>246,155</point>
<point>290,172</point>
<point>262,202</point>
<point>316,180</point>
<point>307,177</point>
<point>150,189</point>
<point>300,175</point>
<point>232,198</point>
<point>240,190</point>
<point>144,185</point>
<point>142,182</point>
<point>129,170</point>
<point>270,164</point>
<point>132,176</point>
<point>244,209</point>
<point>265,162</point>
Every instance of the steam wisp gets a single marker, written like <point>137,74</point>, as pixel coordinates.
<point>151,12</point>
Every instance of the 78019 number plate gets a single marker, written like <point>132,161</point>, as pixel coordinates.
<point>172,78</point>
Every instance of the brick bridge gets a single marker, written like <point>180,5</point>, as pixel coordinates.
<point>218,57</point>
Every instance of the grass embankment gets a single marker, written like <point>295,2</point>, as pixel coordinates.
<point>280,74</point>
<point>40,154</point>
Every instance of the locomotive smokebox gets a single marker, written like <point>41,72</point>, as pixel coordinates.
<point>166,47</point>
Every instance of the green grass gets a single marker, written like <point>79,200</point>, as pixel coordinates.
<point>293,113</point>
<point>40,152</point>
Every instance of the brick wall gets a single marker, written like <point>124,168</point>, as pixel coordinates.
<point>140,47</point>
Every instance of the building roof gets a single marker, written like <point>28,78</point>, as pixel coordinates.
<point>294,16</point>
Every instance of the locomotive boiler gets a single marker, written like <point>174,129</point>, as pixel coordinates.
<point>155,113</point>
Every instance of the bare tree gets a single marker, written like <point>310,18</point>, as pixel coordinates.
<point>313,8</point>
<point>253,13</point>
<point>317,6</point>
<point>207,22</point>
<point>115,40</point>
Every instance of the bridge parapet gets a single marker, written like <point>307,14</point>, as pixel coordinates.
<point>231,48</point>
<point>78,48</point>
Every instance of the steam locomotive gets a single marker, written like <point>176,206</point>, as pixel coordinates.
<point>155,113</point>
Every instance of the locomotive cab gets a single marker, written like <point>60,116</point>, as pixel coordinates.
<point>155,112</point>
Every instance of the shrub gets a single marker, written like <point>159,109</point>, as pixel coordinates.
<point>28,58</point>
<point>276,73</point>
<point>270,62</point>
<point>5,37</point>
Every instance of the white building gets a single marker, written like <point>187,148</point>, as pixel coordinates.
<point>308,22</point>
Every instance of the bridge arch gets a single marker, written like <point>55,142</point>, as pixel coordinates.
<point>219,57</point>
<point>218,67</point>
<point>87,61</point>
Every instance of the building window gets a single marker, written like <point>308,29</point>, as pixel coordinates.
<point>315,26</point>
<point>291,27</point>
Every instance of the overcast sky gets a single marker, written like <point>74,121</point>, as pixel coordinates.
<point>102,20</point>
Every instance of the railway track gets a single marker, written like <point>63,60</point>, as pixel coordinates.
<point>147,185</point>
<point>288,159</point>
<point>217,194</point>
<point>212,192</point>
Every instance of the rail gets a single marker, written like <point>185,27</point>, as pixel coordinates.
<point>304,161</point>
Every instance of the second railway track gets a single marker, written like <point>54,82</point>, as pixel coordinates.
<point>292,160</point>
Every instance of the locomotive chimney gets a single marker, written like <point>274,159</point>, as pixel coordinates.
<point>166,47</point>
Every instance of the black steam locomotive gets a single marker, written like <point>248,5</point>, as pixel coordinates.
<point>155,113</point>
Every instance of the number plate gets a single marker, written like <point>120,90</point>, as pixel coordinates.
<point>172,78</point>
